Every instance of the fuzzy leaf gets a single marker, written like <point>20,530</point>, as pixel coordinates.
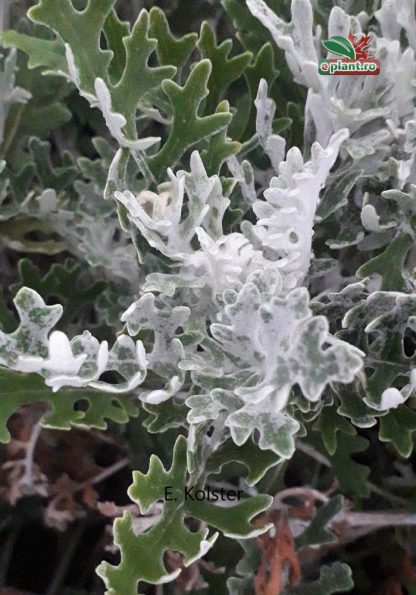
<point>188,127</point>
<point>81,30</point>
<point>165,415</point>
<point>89,65</point>
<point>336,196</point>
<point>257,462</point>
<point>49,176</point>
<point>220,147</point>
<point>317,531</point>
<point>160,217</point>
<point>170,50</point>
<point>398,427</point>
<point>262,67</point>
<point>138,77</point>
<point>36,321</point>
<point>164,322</point>
<point>336,578</point>
<point>330,423</point>
<point>389,264</point>
<point>142,555</point>
<point>62,281</point>
<point>381,322</point>
<point>63,411</point>
<point>79,362</point>
<point>263,346</point>
<point>225,70</point>
<point>262,334</point>
<point>352,476</point>
<point>115,30</point>
<point>40,52</point>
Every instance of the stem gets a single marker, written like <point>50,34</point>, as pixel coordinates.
<point>304,492</point>
<point>27,477</point>
<point>103,475</point>
<point>309,450</point>
<point>142,165</point>
<point>385,494</point>
<point>89,482</point>
<point>377,520</point>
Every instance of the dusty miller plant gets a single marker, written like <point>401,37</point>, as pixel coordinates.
<point>230,258</point>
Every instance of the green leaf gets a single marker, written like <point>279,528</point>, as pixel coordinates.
<point>142,555</point>
<point>82,30</point>
<point>165,415</point>
<point>65,282</point>
<point>58,178</point>
<point>398,427</point>
<point>188,128</point>
<point>40,52</point>
<point>257,461</point>
<point>352,476</point>
<point>225,70</point>
<point>380,324</point>
<point>330,422</point>
<point>317,532</point>
<point>40,120</point>
<point>340,45</point>
<point>63,407</point>
<point>336,578</point>
<point>336,195</point>
<point>220,147</point>
<point>138,79</point>
<point>263,67</point>
<point>389,264</point>
<point>170,49</point>
<point>115,30</point>
<point>43,112</point>
<point>354,407</point>
<point>250,32</point>
<point>17,233</point>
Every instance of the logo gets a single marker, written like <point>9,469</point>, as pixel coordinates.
<point>357,56</point>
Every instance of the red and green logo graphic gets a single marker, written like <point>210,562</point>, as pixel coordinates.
<point>356,56</point>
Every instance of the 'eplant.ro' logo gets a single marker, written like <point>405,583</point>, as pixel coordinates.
<point>357,57</point>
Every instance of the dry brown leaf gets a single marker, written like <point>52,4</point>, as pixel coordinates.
<point>279,558</point>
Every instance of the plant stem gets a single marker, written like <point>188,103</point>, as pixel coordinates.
<point>377,520</point>
<point>30,446</point>
<point>103,475</point>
